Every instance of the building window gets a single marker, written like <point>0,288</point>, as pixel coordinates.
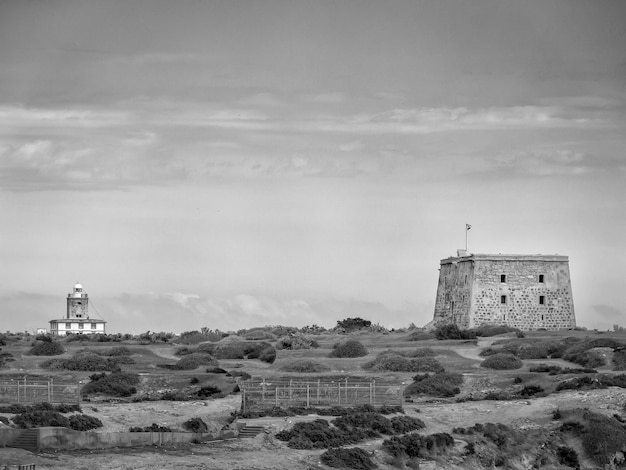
<point>502,277</point>
<point>542,299</point>
<point>503,299</point>
<point>93,326</point>
<point>466,279</point>
<point>81,326</point>
<point>541,317</point>
<point>68,326</point>
<point>541,277</point>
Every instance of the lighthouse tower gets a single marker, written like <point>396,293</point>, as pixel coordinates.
<point>77,303</point>
<point>77,319</point>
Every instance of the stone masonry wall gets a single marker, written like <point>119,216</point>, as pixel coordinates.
<point>525,292</point>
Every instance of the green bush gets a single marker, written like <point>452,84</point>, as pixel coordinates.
<point>315,434</point>
<point>391,362</point>
<point>420,335</point>
<point>191,362</point>
<point>354,458</point>
<point>531,390</point>
<point>88,361</point>
<point>619,360</point>
<point>152,428</point>
<point>40,418</point>
<point>545,368</point>
<point>568,457</point>
<point>304,366</point>
<point>602,437</point>
<point>84,422</point>
<point>353,324</point>
<point>350,348</point>
<point>421,352</point>
<point>415,445</point>
<point>46,348</point>
<point>441,385</point>
<point>116,384</point>
<point>195,425</point>
<point>208,391</point>
<point>452,331</point>
<point>502,361</point>
<point>404,424</point>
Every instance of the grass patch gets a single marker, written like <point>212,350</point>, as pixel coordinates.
<point>305,366</point>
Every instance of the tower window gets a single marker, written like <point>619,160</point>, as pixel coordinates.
<point>503,299</point>
<point>68,326</point>
<point>93,326</point>
<point>542,299</point>
<point>502,277</point>
<point>81,326</point>
<point>541,278</point>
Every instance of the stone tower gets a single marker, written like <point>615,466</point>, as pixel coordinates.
<point>523,291</point>
<point>77,303</point>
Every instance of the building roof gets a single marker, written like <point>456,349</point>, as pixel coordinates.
<point>503,257</point>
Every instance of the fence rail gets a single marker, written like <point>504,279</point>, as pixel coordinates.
<point>267,393</point>
<point>37,391</point>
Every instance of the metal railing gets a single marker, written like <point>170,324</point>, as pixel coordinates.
<point>267,393</point>
<point>37,391</point>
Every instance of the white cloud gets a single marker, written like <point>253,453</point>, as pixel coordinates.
<point>351,146</point>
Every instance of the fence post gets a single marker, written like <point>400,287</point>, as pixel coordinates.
<point>243,398</point>
<point>276,403</point>
<point>318,391</point>
<point>50,390</point>
<point>307,396</point>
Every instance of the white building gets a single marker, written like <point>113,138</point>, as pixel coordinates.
<point>77,319</point>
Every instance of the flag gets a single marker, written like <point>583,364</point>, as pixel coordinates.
<point>468,226</point>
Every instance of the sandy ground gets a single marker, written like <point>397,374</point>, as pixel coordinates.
<point>265,452</point>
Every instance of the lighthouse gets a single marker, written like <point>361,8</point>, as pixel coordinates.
<point>77,319</point>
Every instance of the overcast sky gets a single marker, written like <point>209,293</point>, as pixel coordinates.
<point>237,163</point>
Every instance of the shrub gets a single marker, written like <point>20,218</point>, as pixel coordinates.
<point>602,437</point>
<point>40,418</point>
<point>415,445</point>
<point>88,361</point>
<point>420,335</point>
<point>191,362</point>
<point>404,424</point>
<point>452,331</point>
<point>530,390</point>
<point>619,359</point>
<point>354,458</point>
<point>118,351</point>
<point>208,391</point>
<point>46,348</point>
<point>195,425</point>
<point>502,361</point>
<point>116,384</point>
<point>532,352</point>
<point>352,324</point>
<point>315,434</point>
<point>350,348</point>
<point>240,373</point>
<point>437,385</point>
<point>586,383</point>
<point>493,330</point>
<point>305,366</point>
<point>421,352</point>
<point>233,350</point>
<point>568,457</point>
<point>84,422</point>
<point>268,355</point>
<point>394,363</point>
<point>367,424</point>
<point>544,368</point>
<point>296,341</point>
<point>152,428</point>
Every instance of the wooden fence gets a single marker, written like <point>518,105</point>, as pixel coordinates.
<point>37,391</point>
<point>267,393</point>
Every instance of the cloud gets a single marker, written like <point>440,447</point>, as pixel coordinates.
<point>351,146</point>
<point>552,162</point>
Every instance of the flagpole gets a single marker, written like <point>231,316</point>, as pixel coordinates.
<point>467,228</point>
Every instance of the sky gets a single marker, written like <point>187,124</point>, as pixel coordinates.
<point>235,163</point>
